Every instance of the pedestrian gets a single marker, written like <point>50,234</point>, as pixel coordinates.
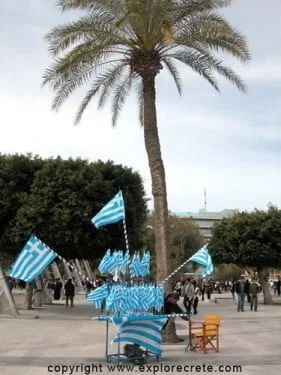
<point>10,283</point>
<point>171,307</point>
<point>247,286</point>
<point>203,289</point>
<point>57,289</point>
<point>188,295</point>
<point>178,287</point>
<point>233,289</point>
<point>195,298</point>
<point>240,290</point>
<point>209,289</point>
<point>50,288</point>
<point>254,290</point>
<point>69,292</point>
<point>278,285</point>
<point>89,287</point>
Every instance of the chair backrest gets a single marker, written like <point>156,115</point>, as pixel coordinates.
<point>212,319</point>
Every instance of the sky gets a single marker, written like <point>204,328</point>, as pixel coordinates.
<point>228,143</point>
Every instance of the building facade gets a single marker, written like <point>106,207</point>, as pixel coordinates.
<point>206,219</point>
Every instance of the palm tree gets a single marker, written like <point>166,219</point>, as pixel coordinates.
<point>118,44</point>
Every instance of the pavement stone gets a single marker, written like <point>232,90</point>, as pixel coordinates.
<point>68,337</point>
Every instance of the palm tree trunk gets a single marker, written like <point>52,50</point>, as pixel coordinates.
<point>153,149</point>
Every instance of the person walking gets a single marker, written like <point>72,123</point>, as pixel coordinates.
<point>278,286</point>
<point>254,290</point>
<point>240,290</point>
<point>57,289</point>
<point>188,295</point>
<point>203,289</point>
<point>209,289</point>
<point>233,289</point>
<point>69,292</point>
<point>195,298</point>
<point>247,287</point>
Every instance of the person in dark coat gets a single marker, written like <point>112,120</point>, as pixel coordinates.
<point>254,290</point>
<point>241,292</point>
<point>247,287</point>
<point>57,289</point>
<point>233,289</point>
<point>69,292</point>
<point>171,307</point>
<point>278,286</point>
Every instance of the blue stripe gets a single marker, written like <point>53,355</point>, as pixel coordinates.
<point>142,334</point>
<point>33,260</point>
<point>149,326</point>
<point>111,213</point>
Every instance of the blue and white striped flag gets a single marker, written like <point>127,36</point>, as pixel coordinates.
<point>111,213</point>
<point>97,296</point>
<point>146,333</point>
<point>203,258</point>
<point>33,260</point>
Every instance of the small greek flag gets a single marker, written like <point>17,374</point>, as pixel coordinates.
<point>203,258</point>
<point>33,260</point>
<point>111,213</point>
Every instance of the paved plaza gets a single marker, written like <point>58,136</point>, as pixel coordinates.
<point>41,340</point>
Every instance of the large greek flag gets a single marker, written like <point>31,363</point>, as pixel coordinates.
<point>146,333</point>
<point>33,260</point>
<point>203,258</point>
<point>112,212</point>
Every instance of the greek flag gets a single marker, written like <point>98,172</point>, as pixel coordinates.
<point>203,258</point>
<point>33,260</point>
<point>97,296</point>
<point>146,333</point>
<point>112,212</point>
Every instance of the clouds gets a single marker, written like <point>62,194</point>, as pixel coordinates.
<point>229,143</point>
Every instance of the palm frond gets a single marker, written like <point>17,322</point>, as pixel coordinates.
<point>185,8</point>
<point>112,77</point>
<point>89,4</point>
<point>197,62</point>
<point>99,82</point>
<point>174,73</point>
<point>82,57</point>
<point>67,87</point>
<point>119,96</point>
<point>202,61</point>
<point>89,28</point>
<point>213,31</point>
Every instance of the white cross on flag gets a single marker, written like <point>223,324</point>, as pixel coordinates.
<point>33,260</point>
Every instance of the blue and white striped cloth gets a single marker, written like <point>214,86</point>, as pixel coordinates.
<point>203,258</point>
<point>33,260</point>
<point>124,298</point>
<point>145,264</point>
<point>136,266</point>
<point>146,332</point>
<point>125,263</point>
<point>111,213</point>
<point>97,296</point>
<point>105,262</point>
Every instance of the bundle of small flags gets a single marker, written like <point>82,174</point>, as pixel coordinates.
<point>123,298</point>
<point>137,265</point>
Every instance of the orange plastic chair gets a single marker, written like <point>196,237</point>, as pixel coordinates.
<point>204,335</point>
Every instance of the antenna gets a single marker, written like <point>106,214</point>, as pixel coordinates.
<point>205,199</point>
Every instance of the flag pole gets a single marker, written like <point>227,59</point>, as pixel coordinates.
<point>126,235</point>
<point>177,269</point>
<point>8,294</point>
